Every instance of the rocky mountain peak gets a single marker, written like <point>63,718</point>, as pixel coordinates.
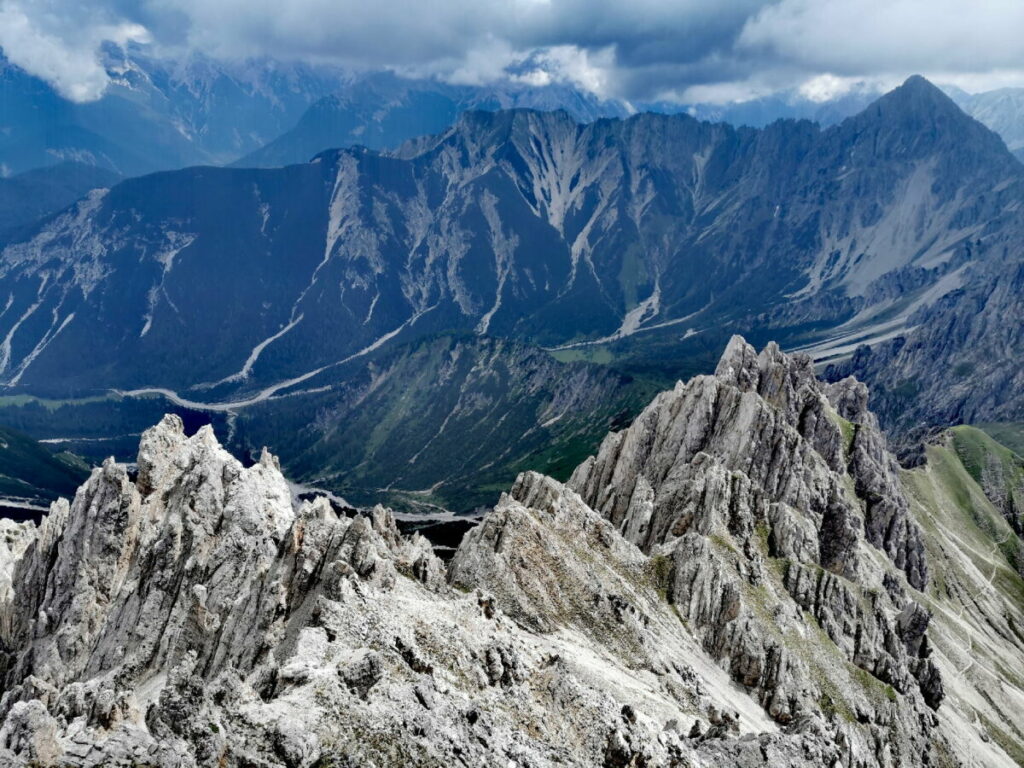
<point>920,90</point>
<point>764,430</point>
<point>733,580</point>
<point>917,118</point>
<point>919,100</point>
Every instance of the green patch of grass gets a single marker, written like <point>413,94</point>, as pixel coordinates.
<point>849,430</point>
<point>974,448</point>
<point>1000,474</point>
<point>599,354</point>
<point>947,498</point>
<point>52,405</point>
<point>1010,434</point>
<point>762,532</point>
<point>660,567</point>
<point>827,706</point>
<point>957,482</point>
<point>781,565</point>
<point>722,542</point>
<point>872,686</point>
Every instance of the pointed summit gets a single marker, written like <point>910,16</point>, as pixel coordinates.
<point>916,119</point>
<point>919,83</point>
<point>918,94</point>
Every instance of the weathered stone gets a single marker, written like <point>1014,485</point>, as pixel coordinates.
<point>740,559</point>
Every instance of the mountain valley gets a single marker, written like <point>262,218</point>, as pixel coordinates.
<point>637,244</point>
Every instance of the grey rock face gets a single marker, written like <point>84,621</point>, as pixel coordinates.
<point>762,431</point>
<point>757,461</point>
<point>887,522</point>
<point>705,592</point>
<point>130,600</point>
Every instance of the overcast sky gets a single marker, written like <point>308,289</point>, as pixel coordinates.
<point>687,50</point>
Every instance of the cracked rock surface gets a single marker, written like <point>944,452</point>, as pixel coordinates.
<point>743,577</point>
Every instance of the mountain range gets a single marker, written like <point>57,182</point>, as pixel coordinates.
<point>742,577</point>
<point>1001,110</point>
<point>612,241</point>
<point>382,111</point>
<point>162,113</point>
<point>155,114</point>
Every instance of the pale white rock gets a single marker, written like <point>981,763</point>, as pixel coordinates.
<point>732,581</point>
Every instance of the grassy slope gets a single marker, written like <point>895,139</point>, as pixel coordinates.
<point>997,469</point>
<point>975,447</point>
<point>975,594</point>
<point>1009,434</point>
<point>30,471</point>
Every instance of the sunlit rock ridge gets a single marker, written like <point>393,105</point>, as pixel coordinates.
<point>742,577</point>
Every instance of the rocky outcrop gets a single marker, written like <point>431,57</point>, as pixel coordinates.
<point>763,461</point>
<point>707,591</point>
<point>887,522</point>
<point>723,449</point>
<point>199,570</point>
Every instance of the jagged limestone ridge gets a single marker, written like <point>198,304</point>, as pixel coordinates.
<point>194,616</point>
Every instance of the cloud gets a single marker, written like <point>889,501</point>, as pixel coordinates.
<point>39,38</point>
<point>855,37</point>
<point>587,70</point>
<point>643,49</point>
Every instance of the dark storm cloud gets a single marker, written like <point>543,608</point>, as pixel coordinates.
<point>638,49</point>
